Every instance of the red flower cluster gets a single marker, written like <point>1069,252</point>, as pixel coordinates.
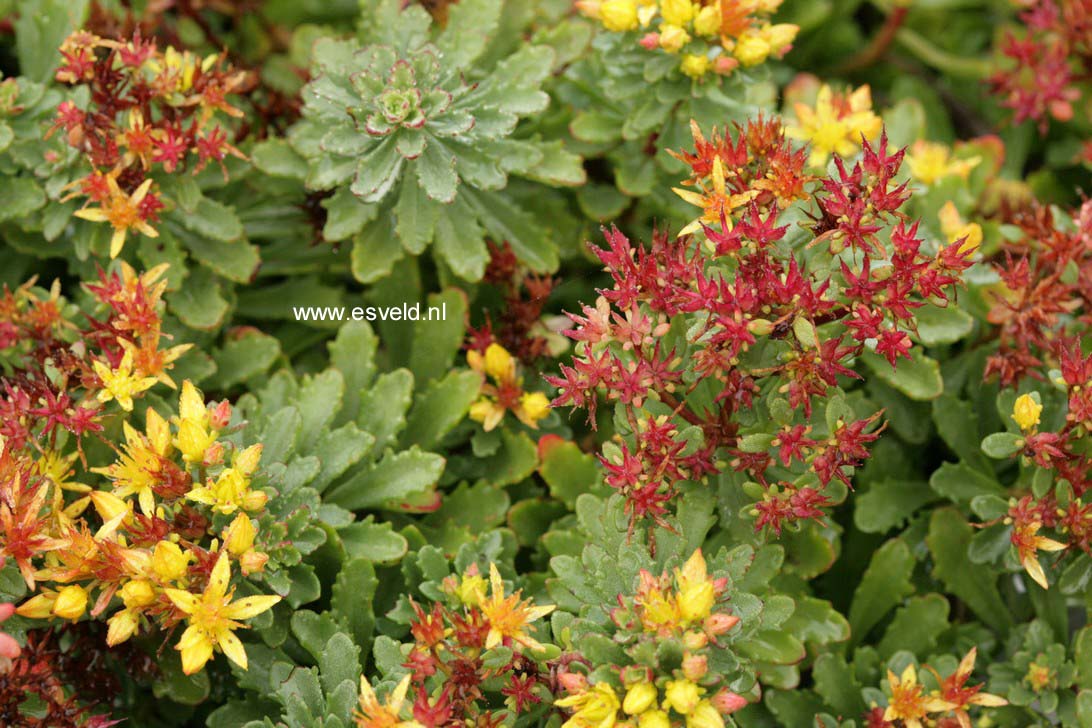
<point>753,309</point>
<point>1046,292</point>
<point>1048,62</point>
<point>148,110</point>
<point>519,327</point>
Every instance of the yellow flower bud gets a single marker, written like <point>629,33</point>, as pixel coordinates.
<point>246,461</point>
<point>682,695</point>
<point>639,698</point>
<point>751,49</point>
<point>654,719</point>
<point>1026,411</point>
<point>673,38</point>
<point>618,16</point>
<point>707,21</point>
<point>677,12</point>
<point>108,505</point>
<point>471,589</point>
<point>137,593</point>
<point>695,666</point>
<point>499,363</point>
<point>694,66</point>
<point>122,626</point>
<point>169,562</point>
<point>71,602</point>
<point>240,535</point>
<point>780,36</point>
<point>255,500</point>
<point>252,561</point>
<point>704,716</point>
<point>535,405</point>
<point>39,606</point>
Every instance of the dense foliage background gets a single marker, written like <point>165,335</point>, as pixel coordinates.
<point>762,397</point>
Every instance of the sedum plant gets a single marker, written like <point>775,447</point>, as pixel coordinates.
<point>414,129</point>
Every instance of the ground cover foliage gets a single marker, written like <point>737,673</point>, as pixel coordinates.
<point>762,395</point>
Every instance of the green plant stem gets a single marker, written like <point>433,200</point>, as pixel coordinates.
<point>942,60</point>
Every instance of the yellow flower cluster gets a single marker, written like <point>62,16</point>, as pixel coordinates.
<point>687,602</point>
<point>678,701</point>
<point>930,162</point>
<point>708,35</point>
<point>502,390</point>
<point>136,560</point>
<point>835,124</point>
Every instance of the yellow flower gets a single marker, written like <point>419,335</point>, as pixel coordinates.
<point>780,36</point>
<point>373,714</point>
<point>694,65</point>
<point>673,38</point>
<point>121,626</point>
<point>534,406</point>
<point>71,602</point>
<point>705,715</point>
<point>169,562</point>
<point>212,619</point>
<point>138,469</point>
<point>1028,542</point>
<point>504,392</point>
<point>472,587</point>
<point>908,702</point>
<point>596,707</point>
<point>836,124</point>
<point>751,49</point>
<point>57,469</point>
<point>682,695</point>
<point>619,15</point>
<point>930,162</point>
<point>696,593</point>
<point>677,12</point>
<point>137,593</point>
<point>239,536</point>
<point>231,489</point>
<point>509,616</point>
<point>639,698</point>
<point>123,213</point>
<point>1026,411</point>
<point>121,384</point>
<point>654,719</point>
<point>1039,677</point>
<point>954,228</point>
<point>714,202</point>
<point>194,434</point>
<point>39,606</point>
<point>707,21</point>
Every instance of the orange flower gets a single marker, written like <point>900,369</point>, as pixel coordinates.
<point>954,690</point>
<point>508,616</point>
<point>1027,542</point>
<point>715,202</point>
<point>908,702</point>
<point>123,212</point>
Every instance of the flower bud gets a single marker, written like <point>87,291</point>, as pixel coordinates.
<point>639,698</point>
<point>760,327</point>
<point>728,702</point>
<point>255,500</point>
<point>694,66</point>
<point>40,606</point>
<point>673,38</point>
<point>169,562</point>
<point>704,716</point>
<point>695,666</point>
<point>682,695</point>
<point>108,505</point>
<point>650,41</point>
<point>214,455</point>
<point>220,415</point>
<point>654,719</point>
<point>724,65</point>
<point>122,626</point>
<point>1026,412</point>
<point>252,562</point>
<point>535,405</point>
<point>751,49</point>
<point>719,623</point>
<point>695,640</point>
<point>71,602</point>
<point>618,16</point>
<point>677,12</point>
<point>137,593</point>
<point>240,535</point>
<point>572,682</point>
<point>707,21</point>
<point>780,37</point>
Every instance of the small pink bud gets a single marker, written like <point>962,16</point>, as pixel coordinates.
<point>717,624</point>
<point>727,702</point>
<point>694,667</point>
<point>220,415</point>
<point>572,682</point>
<point>214,455</point>
<point>695,640</point>
<point>650,41</point>
<point>724,65</point>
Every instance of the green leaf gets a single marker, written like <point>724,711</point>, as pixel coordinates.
<point>916,626</point>
<point>40,28</point>
<point>249,355</point>
<point>470,26</point>
<point>961,483</point>
<point>436,342</point>
<point>377,171</point>
<point>213,220</point>
<point>1002,445</point>
<point>596,127</point>
<point>918,378</point>
<point>885,583</point>
<point>460,241</point>
<point>277,158</point>
<point>949,536</point>
<point>436,172</point>
<point>957,422</point>
<point>780,648</point>
<point>199,303</point>
<point>527,235</point>
<point>346,215</point>
<point>889,503</point>
<point>376,250</point>
<point>1082,656</point>
<point>568,472</point>
<point>415,217</point>
<point>351,600</point>
<point>339,662</point>
<point>237,261</point>
<point>352,352</point>
<point>397,476</point>
<point>383,407</point>
<point>946,325</point>
<point>440,407</point>
<point>559,167</point>
<point>836,682</point>
<point>179,687</point>
<point>20,196</point>
<point>817,621</point>
<point>376,542</point>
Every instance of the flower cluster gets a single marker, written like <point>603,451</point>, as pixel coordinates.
<point>910,706</point>
<point>449,673</point>
<point>679,610</point>
<point>149,536</point>
<point>502,390</point>
<point>696,331</point>
<point>1044,67</point>
<point>708,36</point>
<point>836,123</point>
<point>149,112</point>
